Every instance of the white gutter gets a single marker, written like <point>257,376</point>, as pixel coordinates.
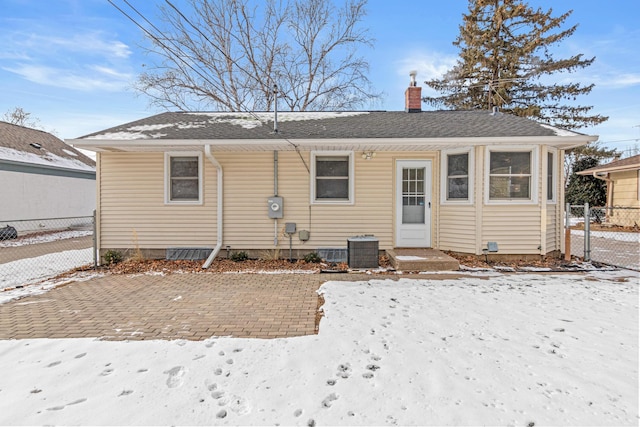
<point>355,144</point>
<point>214,162</point>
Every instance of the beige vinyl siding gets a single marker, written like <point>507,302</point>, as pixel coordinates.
<point>516,229</point>
<point>625,188</point>
<point>133,212</point>
<point>132,200</point>
<point>457,228</point>
<point>625,194</point>
<point>249,182</point>
<point>552,230</point>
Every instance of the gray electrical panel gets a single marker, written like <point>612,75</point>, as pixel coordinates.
<point>290,228</point>
<point>275,206</point>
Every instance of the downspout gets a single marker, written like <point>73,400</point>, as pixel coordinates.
<point>214,162</point>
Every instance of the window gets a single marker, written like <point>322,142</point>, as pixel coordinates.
<point>551,173</point>
<point>332,177</point>
<point>183,178</point>
<point>510,175</point>
<point>457,176</point>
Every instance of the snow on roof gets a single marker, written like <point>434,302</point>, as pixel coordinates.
<point>25,145</point>
<point>560,132</point>
<point>244,120</point>
<point>47,159</point>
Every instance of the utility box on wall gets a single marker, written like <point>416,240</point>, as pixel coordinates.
<point>275,206</point>
<point>362,252</point>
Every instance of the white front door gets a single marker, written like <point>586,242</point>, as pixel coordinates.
<point>413,203</point>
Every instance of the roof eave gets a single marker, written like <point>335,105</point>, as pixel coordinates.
<point>598,170</point>
<point>380,144</point>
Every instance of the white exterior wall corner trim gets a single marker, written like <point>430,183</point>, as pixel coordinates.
<point>98,228</point>
<point>478,190</point>
<point>542,193</point>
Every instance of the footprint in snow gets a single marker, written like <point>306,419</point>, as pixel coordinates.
<point>60,408</point>
<point>176,375</point>
<point>344,370</point>
<point>239,405</point>
<point>328,401</point>
<point>50,365</point>
<point>81,355</point>
<point>106,372</point>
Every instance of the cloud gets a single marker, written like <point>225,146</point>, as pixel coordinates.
<point>429,65</point>
<point>95,77</point>
<point>620,80</point>
<point>83,60</point>
<point>89,43</point>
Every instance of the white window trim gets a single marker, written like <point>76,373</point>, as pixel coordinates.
<point>444,176</point>
<point>554,200</point>
<point>535,168</point>
<point>312,183</point>
<point>167,177</point>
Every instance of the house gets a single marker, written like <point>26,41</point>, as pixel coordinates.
<point>449,180</point>
<point>623,189</point>
<point>42,177</point>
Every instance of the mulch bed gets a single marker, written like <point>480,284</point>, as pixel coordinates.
<point>223,265</point>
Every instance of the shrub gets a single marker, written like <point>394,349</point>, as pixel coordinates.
<point>312,257</point>
<point>113,257</point>
<point>239,256</point>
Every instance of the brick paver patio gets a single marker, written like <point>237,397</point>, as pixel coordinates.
<point>174,306</point>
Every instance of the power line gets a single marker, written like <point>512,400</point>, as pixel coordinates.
<point>177,56</point>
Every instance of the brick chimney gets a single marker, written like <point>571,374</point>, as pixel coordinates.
<point>413,96</point>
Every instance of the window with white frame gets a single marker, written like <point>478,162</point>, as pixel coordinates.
<point>332,177</point>
<point>457,185</point>
<point>510,175</point>
<point>183,178</point>
<point>551,177</point>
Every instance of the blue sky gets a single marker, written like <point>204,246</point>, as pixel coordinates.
<point>72,63</point>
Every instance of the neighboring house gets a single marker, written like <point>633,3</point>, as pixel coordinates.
<point>42,177</point>
<point>623,189</point>
<point>450,180</point>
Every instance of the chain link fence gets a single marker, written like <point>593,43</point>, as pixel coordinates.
<point>607,235</point>
<point>33,250</point>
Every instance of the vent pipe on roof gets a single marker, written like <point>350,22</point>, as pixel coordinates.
<point>275,108</point>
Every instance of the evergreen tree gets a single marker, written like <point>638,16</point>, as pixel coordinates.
<point>585,189</point>
<point>505,61</point>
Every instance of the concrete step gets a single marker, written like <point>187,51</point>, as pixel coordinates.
<point>421,259</point>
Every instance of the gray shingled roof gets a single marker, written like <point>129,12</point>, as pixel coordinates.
<point>16,145</point>
<point>630,163</point>
<point>333,125</point>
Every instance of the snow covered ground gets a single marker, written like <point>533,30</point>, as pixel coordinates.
<point>45,238</point>
<point>31,270</point>
<point>518,349</point>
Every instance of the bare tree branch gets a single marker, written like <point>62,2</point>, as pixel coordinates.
<point>229,54</point>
